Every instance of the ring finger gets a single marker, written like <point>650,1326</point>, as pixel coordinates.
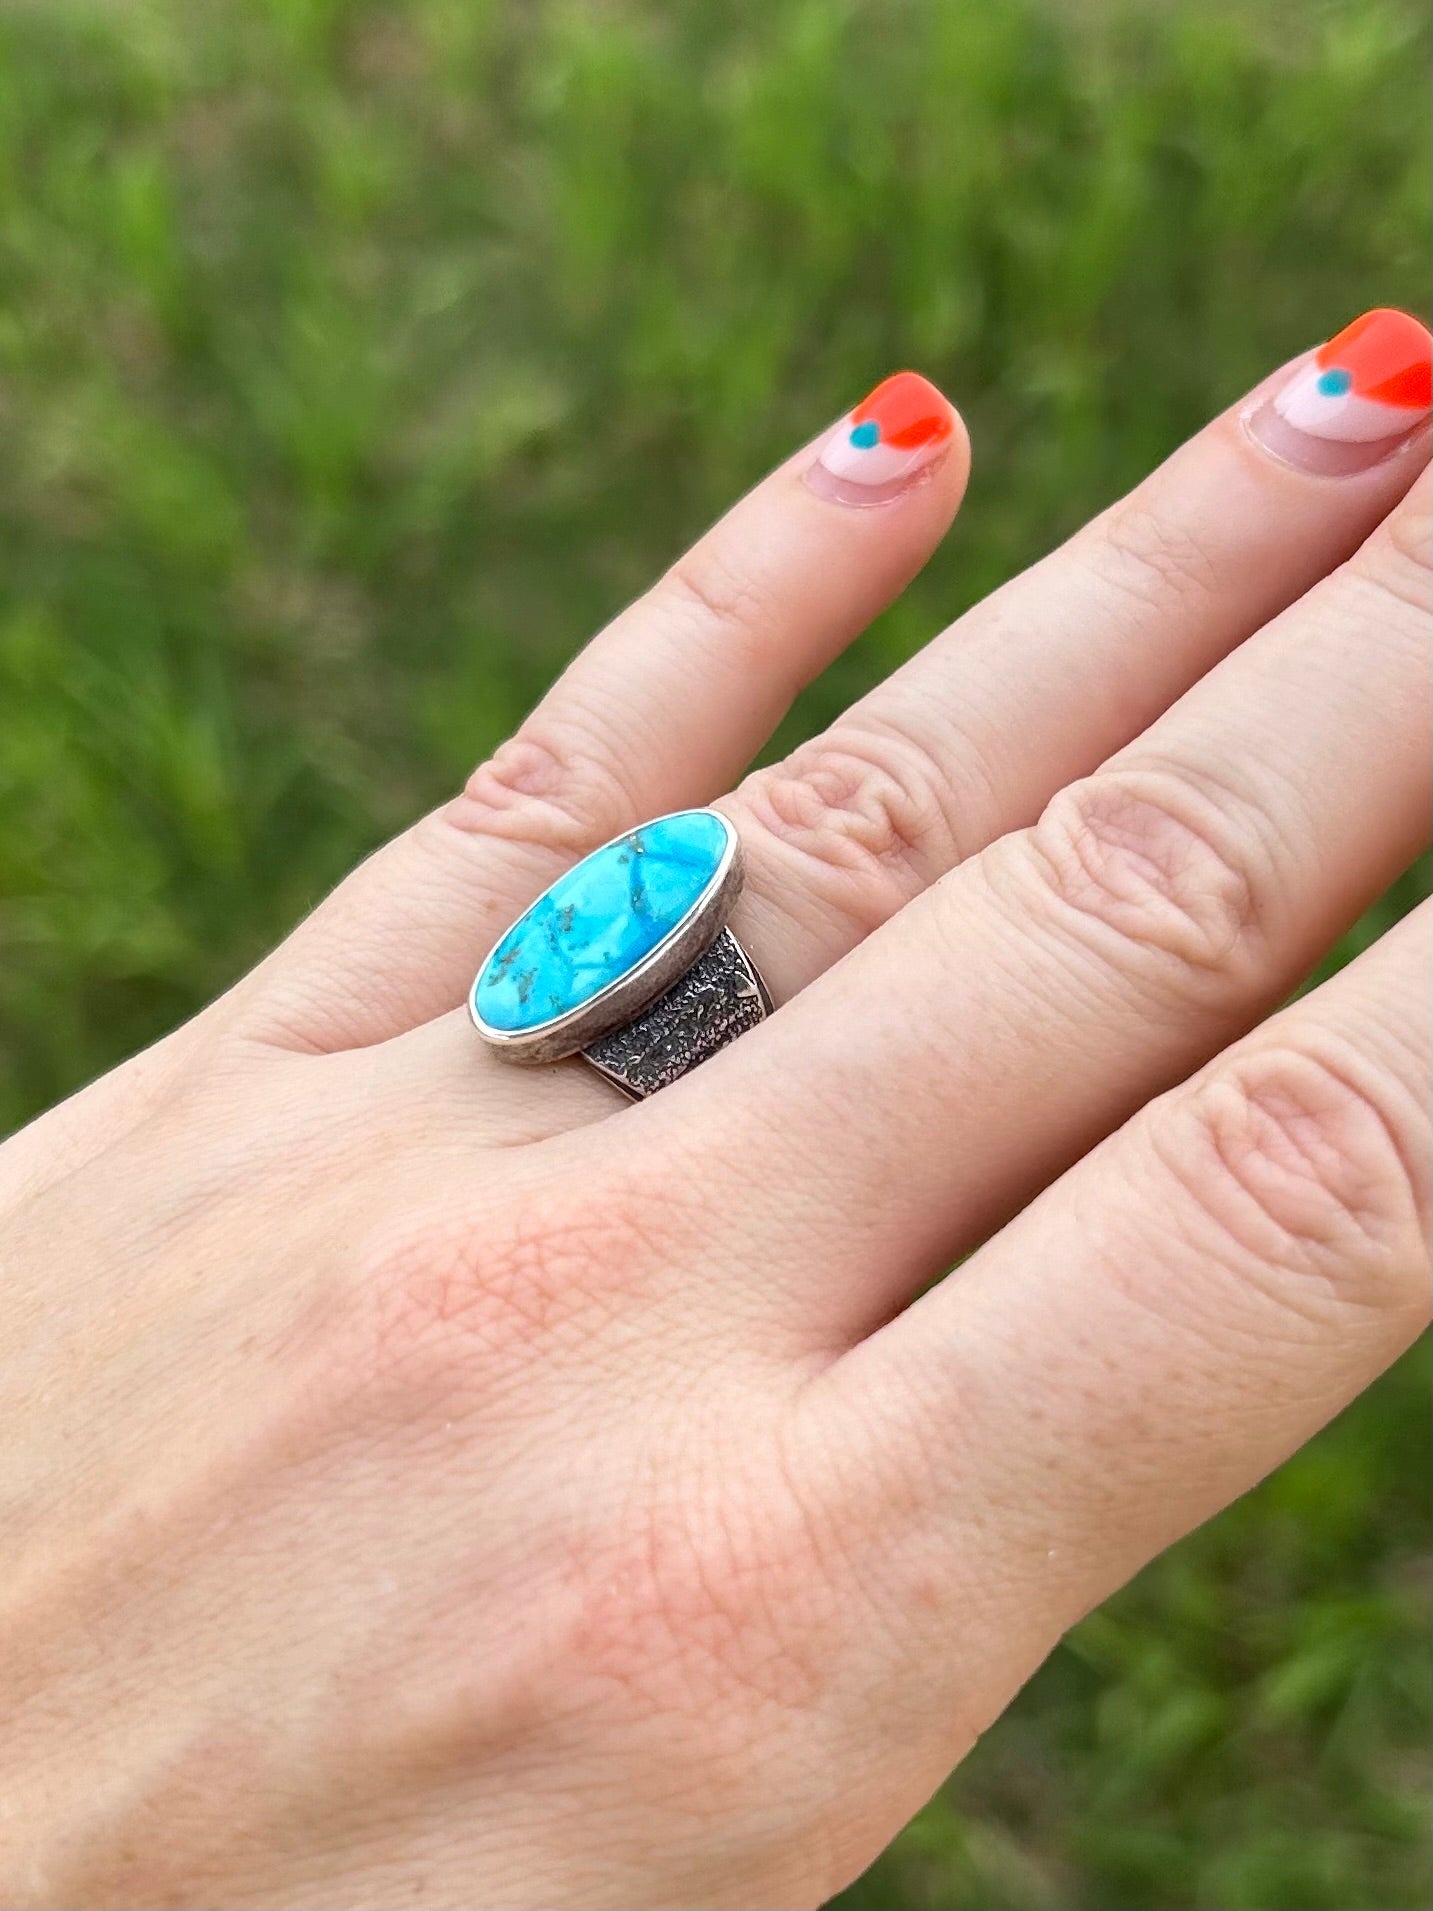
<point>664,708</point>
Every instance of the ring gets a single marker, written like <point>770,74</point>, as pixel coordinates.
<point>627,959</point>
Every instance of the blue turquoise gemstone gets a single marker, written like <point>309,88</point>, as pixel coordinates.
<point>600,920</point>
<point>1335,381</point>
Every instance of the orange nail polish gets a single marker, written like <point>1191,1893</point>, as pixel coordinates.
<point>1371,382</point>
<point>894,435</point>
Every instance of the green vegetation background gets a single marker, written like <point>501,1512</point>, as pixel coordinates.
<point>356,360</point>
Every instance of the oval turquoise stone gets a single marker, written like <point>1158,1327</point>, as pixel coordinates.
<point>599,921</point>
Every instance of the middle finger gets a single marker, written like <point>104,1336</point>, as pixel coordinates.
<point>904,1104</point>
<point>1044,680</point>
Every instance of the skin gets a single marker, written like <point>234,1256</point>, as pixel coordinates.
<point>430,1482</point>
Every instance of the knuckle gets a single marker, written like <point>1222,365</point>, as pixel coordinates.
<point>1149,867</point>
<point>1149,557</point>
<point>867,813</point>
<point>551,784</point>
<point>1307,1160</point>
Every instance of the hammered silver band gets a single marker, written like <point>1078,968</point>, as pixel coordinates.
<point>720,997</point>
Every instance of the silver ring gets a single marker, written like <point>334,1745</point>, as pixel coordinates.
<point>627,959</point>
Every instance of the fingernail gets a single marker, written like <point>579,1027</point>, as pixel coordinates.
<point>1355,401</point>
<point>893,437</point>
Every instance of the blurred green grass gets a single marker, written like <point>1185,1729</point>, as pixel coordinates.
<point>357,360</point>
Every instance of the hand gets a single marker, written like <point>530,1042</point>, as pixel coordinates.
<point>429,1482</point>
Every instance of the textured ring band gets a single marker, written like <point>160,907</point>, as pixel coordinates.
<point>627,959</point>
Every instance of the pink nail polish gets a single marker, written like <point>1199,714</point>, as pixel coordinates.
<point>1356,400</point>
<point>893,437</point>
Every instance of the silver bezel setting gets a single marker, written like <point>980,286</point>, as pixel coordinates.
<point>622,1000</point>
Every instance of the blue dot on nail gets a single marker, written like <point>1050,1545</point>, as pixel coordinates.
<point>1335,382</point>
<point>866,435</point>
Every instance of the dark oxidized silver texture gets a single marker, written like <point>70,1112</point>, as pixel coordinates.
<point>720,997</point>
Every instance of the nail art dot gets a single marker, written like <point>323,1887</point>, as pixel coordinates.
<point>865,435</point>
<point>1335,382</point>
